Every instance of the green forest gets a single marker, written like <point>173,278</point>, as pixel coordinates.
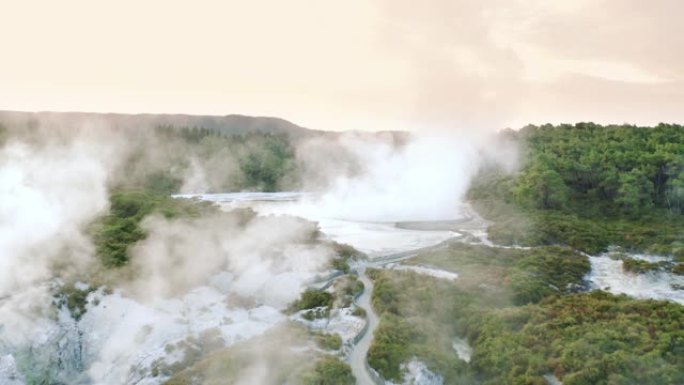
<point>589,186</point>
<point>265,160</point>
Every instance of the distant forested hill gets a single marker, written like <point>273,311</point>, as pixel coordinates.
<point>187,153</point>
<point>209,153</point>
<point>228,124</point>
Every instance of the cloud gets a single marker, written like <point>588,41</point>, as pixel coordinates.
<point>347,65</point>
<point>395,178</point>
<point>268,259</point>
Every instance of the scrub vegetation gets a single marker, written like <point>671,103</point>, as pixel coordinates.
<point>277,357</point>
<point>311,299</point>
<point>115,232</point>
<point>522,314</point>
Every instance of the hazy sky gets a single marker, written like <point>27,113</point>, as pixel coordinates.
<point>352,64</point>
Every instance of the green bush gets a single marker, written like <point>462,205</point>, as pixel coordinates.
<point>74,299</point>
<point>310,299</point>
<point>639,266</point>
<point>330,371</point>
<point>115,232</point>
<point>328,341</point>
<point>391,346</point>
<point>547,271</point>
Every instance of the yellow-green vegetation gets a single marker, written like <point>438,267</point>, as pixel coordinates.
<point>546,271</point>
<point>592,235</point>
<point>639,266</point>
<point>115,232</point>
<point>317,304</point>
<point>74,298</point>
<point>589,186</point>
<point>394,342</point>
<point>512,275</point>
<point>346,251</point>
<point>584,339</point>
<point>329,371</point>
<point>340,264</point>
<point>346,288</point>
<point>327,341</point>
<point>678,269</point>
<point>520,312</point>
<point>418,317</point>
<point>280,356</point>
<point>343,254</point>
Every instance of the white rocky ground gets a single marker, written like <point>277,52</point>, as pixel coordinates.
<point>9,375</point>
<point>120,340</point>
<point>416,373</point>
<point>341,322</point>
<point>126,338</point>
<point>607,274</point>
<point>552,380</point>
<point>462,349</point>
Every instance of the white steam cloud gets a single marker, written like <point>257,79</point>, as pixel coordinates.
<point>47,194</point>
<point>268,259</point>
<point>425,178</point>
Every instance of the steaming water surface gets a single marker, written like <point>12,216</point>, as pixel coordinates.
<point>608,274</point>
<point>375,239</point>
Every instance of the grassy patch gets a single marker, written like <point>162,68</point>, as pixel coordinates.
<point>329,371</point>
<point>328,341</point>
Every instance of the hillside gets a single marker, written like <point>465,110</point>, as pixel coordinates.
<point>228,124</point>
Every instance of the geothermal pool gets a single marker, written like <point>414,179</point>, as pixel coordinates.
<point>375,239</point>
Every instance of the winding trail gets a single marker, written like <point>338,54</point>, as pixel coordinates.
<point>358,357</point>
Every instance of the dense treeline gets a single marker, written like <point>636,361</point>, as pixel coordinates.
<point>612,169</point>
<point>590,186</point>
<point>254,161</point>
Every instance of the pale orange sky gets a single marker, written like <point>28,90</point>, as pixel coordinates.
<point>353,64</point>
